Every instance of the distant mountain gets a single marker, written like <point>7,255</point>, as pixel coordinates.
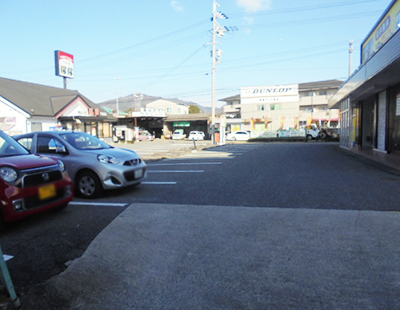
<point>131,102</point>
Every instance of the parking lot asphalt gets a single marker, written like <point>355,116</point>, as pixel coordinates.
<point>161,256</point>
<point>156,256</point>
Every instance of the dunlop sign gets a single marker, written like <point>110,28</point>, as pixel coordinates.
<point>269,91</point>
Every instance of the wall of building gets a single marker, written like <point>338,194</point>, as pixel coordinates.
<point>12,121</point>
<point>169,107</point>
<point>282,106</point>
<point>46,123</point>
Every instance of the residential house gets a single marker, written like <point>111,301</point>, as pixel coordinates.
<point>27,107</point>
<point>169,107</point>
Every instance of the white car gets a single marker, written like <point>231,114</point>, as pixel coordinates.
<point>195,135</point>
<point>238,136</point>
<point>178,135</point>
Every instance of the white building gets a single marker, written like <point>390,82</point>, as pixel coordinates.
<point>27,107</point>
<point>269,108</point>
<point>169,107</point>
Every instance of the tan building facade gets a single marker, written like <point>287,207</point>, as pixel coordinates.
<point>281,107</point>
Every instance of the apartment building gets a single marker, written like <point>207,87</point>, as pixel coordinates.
<point>270,108</point>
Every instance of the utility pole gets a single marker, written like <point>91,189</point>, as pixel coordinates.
<point>350,55</point>
<point>216,58</point>
<point>214,70</point>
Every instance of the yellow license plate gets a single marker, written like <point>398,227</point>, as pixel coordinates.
<point>47,191</point>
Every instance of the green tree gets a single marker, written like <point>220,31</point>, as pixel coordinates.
<point>193,109</point>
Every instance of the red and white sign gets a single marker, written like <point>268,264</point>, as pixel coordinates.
<point>64,64</point>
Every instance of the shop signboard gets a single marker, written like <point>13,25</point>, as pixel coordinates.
<point>64,64</point>
<point>383,30</point>
<point>181,124</point>
<point>270,94</point>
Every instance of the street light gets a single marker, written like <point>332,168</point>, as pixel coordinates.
<point>116,93</point>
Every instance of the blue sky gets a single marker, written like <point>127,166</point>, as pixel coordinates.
<point>161,47</point>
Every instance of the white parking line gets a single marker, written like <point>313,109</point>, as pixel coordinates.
<point>173,171</point>
<point>159,183</point>
<point>98,204</point>
<point>7,257</point>
<point>182,164</point>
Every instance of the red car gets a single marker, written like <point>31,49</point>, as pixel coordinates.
<point>30,183</point>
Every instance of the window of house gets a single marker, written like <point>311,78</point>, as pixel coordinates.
<point>275,107</point>
<point>36,126</point>
<point>323,92</point>
<point>169,110</point>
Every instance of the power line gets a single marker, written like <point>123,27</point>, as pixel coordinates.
<point>287,10</point>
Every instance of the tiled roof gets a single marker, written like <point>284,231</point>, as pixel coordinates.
<point>188,117</point>
<point>39,100</point>
<point>320,85</point>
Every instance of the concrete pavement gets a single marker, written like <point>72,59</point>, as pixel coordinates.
<point>159,256</point>
<point>159,149</point>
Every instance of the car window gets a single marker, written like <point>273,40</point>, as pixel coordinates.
<point>10,147</point>
<point>84,141</point>
<point>26,142</point>
<point>48,145</point>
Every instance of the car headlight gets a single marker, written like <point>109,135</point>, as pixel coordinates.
<point>61,165</point>
<point>8,174</point>
<point>107,159</point>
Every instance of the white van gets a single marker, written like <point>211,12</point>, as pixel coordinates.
<point>178,135</point>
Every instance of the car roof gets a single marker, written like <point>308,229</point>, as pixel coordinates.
<point>50,132</point>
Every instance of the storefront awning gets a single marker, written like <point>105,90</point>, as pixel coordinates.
<point>84,119</point>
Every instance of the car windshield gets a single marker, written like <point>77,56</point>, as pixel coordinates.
<point>84,141</point>
<point>10,147</point>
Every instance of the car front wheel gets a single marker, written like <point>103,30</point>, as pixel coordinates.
<point>88,185</point>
